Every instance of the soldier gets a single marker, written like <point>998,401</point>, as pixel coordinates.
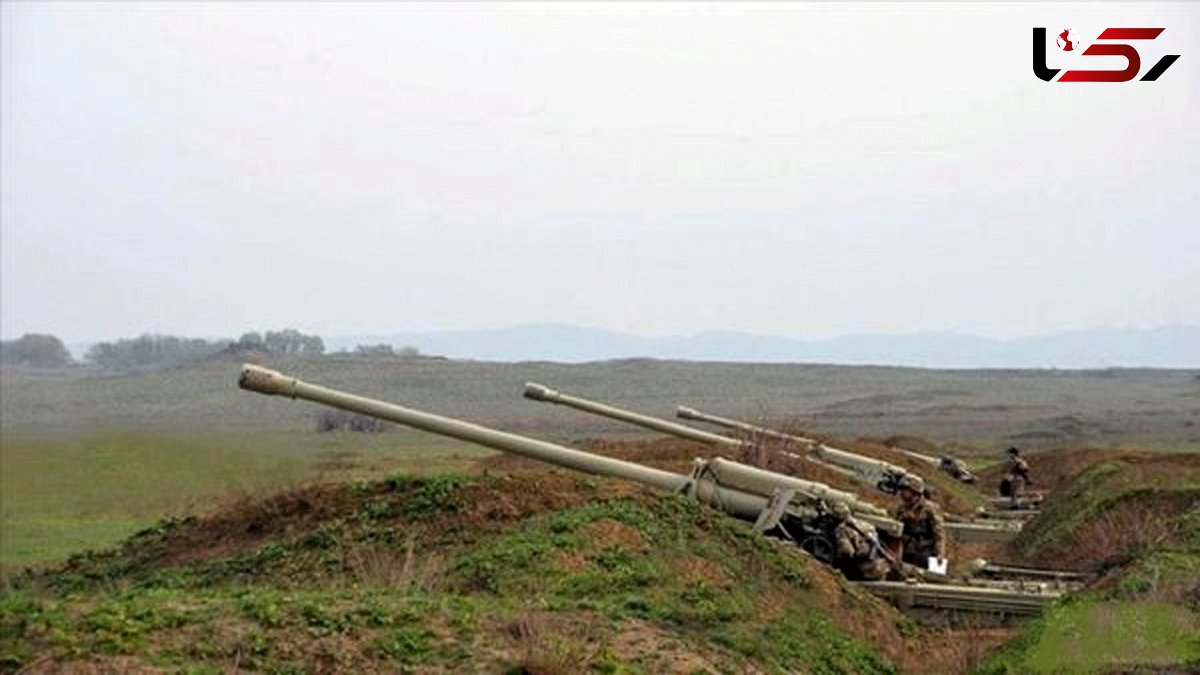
<point>1018,475</point>
<point>924,534</point>
<point>858,554</point>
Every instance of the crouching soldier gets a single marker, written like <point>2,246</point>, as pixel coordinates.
<point>924,534</point>
<point>857,554</point>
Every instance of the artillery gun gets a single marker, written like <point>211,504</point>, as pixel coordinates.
<point>787,508</point>
<point>885,476</point>
<point>871,469</point>
<point>540,392</point>
<point>881,475</point>
<point>948,464</point>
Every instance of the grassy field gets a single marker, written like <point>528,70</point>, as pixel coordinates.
<point>87,458</point>
<point>63,493</point>
<point>422,574</point>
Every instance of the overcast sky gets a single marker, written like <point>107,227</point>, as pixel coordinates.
<point>801,170</point>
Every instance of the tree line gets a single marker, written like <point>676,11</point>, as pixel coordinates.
<point>151,351</point>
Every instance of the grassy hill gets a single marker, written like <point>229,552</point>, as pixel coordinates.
<point>1133,518</point>
<point>521,568</point>
<point>532,573</point>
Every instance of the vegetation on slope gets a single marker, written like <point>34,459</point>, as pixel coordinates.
<point>1134,519</point>
<point>544,573</point>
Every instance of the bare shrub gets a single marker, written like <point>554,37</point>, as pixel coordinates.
<point>957,649</point>
<point>547,651</point>
<point>1121,532</point>
<point>397,569</point>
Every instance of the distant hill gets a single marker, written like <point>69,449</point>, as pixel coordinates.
<point>1167,347</point>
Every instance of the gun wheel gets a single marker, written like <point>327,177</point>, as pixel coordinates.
<point>820,548</point>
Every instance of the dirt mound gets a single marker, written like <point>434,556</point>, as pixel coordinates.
<point>921,445</point>
<point>1133,517</point>
<point>672,454</point>
<point>1054,467</point>
<point>1109,506</point>
<point>543,568</point>
<point>537,570</point>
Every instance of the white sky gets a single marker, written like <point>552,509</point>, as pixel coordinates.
<point>804,170</point>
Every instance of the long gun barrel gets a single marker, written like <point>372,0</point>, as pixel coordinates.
<point>703,483</point>
<point>540,392</point>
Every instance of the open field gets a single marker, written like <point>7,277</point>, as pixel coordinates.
<point>89,458</point>
<point>990,408</point>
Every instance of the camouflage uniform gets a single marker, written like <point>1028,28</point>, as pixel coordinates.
<point>856,556</point>
<point>924,531</point>
<point>1018,475</point>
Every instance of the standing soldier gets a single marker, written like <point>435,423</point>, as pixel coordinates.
<point>858,554</point>
<point>924,534</point>
<point>1018,475</point>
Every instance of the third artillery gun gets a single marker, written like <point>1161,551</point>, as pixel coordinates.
<point>884,476</point>
<point>871,467</point>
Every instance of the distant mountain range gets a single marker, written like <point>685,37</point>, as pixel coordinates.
<point>1167,347</point>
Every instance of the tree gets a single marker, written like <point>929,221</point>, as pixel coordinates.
<point>380,349</point>
<point>151,351</point>
<point>292,341</point>
<point>36,350</point>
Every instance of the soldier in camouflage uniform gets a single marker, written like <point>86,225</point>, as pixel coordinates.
<point>924,533</point>
<point>1018,475</point>
<point>856,552</point>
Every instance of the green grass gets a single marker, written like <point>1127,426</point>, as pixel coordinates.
<point>551,592</point>
<point>58,496</point>
<point>1148,615</point>
<point>1088,635</point>
<point>63,494</point>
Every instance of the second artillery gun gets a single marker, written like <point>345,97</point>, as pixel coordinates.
<point>883,476</point>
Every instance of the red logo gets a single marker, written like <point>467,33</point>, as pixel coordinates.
<point>1067,42</point>
<point>1064,41</point>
